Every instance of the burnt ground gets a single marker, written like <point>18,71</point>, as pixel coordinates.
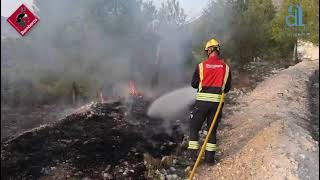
<point>98,141</point>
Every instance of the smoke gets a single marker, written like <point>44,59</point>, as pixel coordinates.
<point>101,45</point>
<point>172,105</point>
<point>173,108</point>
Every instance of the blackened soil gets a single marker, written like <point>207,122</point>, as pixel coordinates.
<point>91,141</point>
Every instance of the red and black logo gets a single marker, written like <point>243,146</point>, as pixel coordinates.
<point>23,19</point>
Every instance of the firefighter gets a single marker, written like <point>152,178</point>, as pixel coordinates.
<point>211,78</point>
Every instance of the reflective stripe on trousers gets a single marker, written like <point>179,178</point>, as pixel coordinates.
<point>211,147</point>
<point>193,145</point>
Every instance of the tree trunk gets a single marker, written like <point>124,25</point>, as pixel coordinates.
<point>295,52</point>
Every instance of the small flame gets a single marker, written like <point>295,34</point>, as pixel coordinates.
<point>133,89</point>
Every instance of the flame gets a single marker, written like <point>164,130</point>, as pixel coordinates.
<point>133,89</point>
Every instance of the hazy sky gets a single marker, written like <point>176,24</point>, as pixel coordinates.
<point>9,6</point>
<point>192,8</point>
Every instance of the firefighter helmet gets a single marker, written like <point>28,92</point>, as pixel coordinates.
<point>212,43</point>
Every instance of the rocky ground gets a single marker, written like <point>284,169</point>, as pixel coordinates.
<point>274,130</point>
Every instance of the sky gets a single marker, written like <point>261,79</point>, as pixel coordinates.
<point>193,8</point>
<point>9,6</point>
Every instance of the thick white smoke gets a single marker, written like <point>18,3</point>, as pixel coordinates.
<point>173,104</point>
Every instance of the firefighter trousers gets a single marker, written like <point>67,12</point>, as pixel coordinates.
<point>204,111</point>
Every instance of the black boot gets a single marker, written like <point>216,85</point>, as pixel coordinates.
<point>209,157</point>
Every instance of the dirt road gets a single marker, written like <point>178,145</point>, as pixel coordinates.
<point>274,132</point>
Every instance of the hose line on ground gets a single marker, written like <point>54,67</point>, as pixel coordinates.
<point>207,139</point>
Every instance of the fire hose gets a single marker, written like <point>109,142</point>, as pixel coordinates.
<point>206,139</point>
